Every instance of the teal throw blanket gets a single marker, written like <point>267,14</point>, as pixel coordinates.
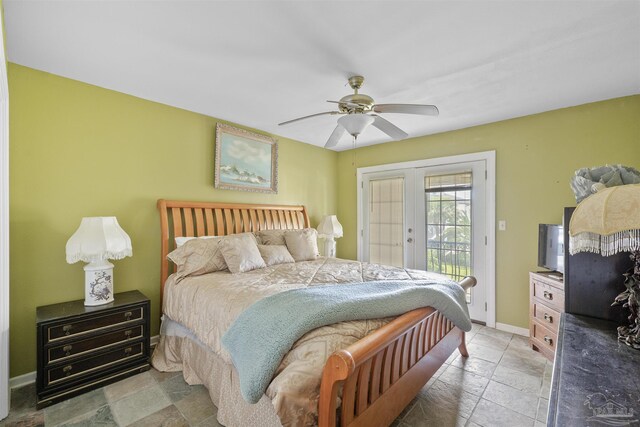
<point>263,334</point>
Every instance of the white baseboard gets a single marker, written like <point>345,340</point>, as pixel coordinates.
<point>22,380</point>
<point>512,329</point>
<point>30,377</point>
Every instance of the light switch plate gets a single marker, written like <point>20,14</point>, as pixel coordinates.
<point>502,225</point>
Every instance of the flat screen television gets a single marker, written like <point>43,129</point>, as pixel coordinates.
<point>551,247</point>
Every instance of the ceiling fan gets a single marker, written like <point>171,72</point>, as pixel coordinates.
<point>360,110</point>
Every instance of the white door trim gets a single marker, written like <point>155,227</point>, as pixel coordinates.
<point>4,234</point>
<point>490,158</point>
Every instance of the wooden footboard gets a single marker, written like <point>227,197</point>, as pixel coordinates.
<point>380,374</point>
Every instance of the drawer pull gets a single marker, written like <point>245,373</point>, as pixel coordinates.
<point>127,351</point>
<point>67,370</point>
<point>548,340</point>
<point>128,333</point>
<point>548,318</point>
<point>67,349</point>
<point>127,315</point>
<point>67,329</point>
<point>548,295</point>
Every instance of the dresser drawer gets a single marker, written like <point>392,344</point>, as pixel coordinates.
<point>546,315</point>
<point>548,295</point>
<point>94,323</point>
<point>543,337</point>
<point>69,371</point>
<point>77,348</point>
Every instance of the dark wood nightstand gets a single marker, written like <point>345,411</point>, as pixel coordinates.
<point>82,348</point>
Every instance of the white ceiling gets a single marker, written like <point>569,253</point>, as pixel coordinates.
<point>263,62</point>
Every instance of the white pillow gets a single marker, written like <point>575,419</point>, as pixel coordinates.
<point>182,240</point>
<point>302,244</point>
<point>241,253</point>
<point>275,254</point>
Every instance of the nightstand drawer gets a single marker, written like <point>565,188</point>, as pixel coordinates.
<point>546,315</point>
<point>548,295</point>
<point>84,326</point>
<point>69,371</point>
<point>77,348</point>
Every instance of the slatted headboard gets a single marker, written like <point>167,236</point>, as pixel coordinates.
<point>179,218</point>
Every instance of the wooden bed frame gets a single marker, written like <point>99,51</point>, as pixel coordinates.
<point>377,376</point>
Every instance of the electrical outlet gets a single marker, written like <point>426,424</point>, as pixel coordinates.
<point>502,225</point>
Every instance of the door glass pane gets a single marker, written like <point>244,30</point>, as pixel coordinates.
<point>386,221</point>
<point>448,220</point>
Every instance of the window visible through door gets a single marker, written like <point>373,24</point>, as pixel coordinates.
<point>386,221</point>
<point>448,225</point>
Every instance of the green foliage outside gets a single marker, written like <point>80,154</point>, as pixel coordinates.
<point>449,233</point>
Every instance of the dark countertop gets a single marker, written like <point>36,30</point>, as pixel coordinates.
<point>596,378</point>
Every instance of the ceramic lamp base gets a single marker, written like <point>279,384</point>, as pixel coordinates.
<point>329,247</point>
<point>98,283</point>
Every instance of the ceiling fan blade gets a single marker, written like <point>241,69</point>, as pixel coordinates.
<point>354,104</point>
<point>424,110</point>
<point>389,128</point>
<point>308,117</point>
<point>335,136</point>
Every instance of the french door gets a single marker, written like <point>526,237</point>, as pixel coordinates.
<point>430,218</point>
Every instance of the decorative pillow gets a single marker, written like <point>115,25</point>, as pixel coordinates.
<point>198,256</point>
<point>241,253</point>
<point>302,244</point>
<point>271,237</point>
<point>275,254</point>
<point>182,240</point>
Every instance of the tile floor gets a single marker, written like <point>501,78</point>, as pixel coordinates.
<point>502,383</point>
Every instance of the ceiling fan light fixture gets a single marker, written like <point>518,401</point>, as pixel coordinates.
<point>355,124</point>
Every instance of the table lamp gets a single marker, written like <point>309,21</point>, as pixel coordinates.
<point>97,240</point>
<point>607,223</point>
<point>329,229</point>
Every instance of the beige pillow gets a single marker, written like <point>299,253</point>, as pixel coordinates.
<point>198,256</point>
<point>275,254</point>
<point>182,240</point>
<point>271,237</point>
<point>302,244</point>
<point>241,253</point>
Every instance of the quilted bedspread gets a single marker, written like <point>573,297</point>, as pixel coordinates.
<point>208,305</point>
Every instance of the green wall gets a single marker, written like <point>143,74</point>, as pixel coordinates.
<point>536,157</point>
<point>79,150</point>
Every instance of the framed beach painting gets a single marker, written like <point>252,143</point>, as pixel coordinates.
<point>245,161</point>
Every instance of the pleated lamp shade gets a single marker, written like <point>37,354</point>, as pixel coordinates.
<point>607,222</point>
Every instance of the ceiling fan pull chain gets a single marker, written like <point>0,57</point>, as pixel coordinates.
<point>353,162</point>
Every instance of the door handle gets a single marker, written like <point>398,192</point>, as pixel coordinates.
<point>410,240</point>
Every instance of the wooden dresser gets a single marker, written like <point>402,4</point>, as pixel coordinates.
<point>82,348</point>
<point>546,303</point>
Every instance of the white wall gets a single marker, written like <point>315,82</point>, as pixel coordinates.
<point>4,234</point>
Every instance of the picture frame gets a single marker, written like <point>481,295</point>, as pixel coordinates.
<point>245,161</point>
